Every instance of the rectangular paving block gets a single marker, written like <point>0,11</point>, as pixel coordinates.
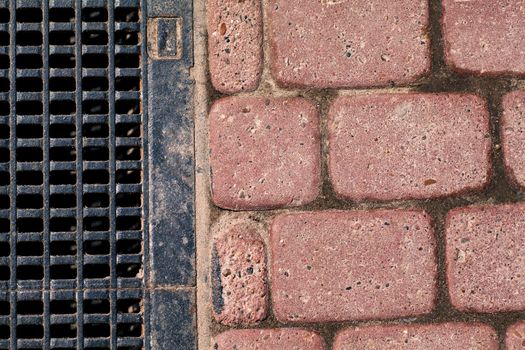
<point>485,255</point>
<point>268,339</point>
<point>513,137</point>
<point>264,152</point>
<point>408,145</point>
<point>484,37</point>
<point>235,44</point>
<point>472,336</point>
<point>355,265</point>
<point>333,43</point>
<point>515,336</point>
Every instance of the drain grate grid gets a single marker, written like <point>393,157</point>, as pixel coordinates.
<point>71,174</point>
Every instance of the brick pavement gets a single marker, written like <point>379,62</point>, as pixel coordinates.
<point>366,174</point>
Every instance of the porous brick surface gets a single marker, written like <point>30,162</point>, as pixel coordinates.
<point>235,44</point>
<point>409,145</point>
<point>485,255</point>
<point>268,339</point>
<point>240,293</point>
<point>265,152</point>
<point>333,43</point>
<point>355,265</point>
<point>515,336</point>
<point>419,337</point>
<point>485,37</point>
<point>513,137</point>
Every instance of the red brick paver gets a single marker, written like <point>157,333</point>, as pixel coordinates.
<point>333,43</point>
<point>485,37</point>
<point>419,337</point>
<point>239,290</point>
<point>265,152</point>
<point>485,255</point>
<point>336,266</point>
<point>268,339</point>
<point>515,336</point>
<point>404,146</point>
<point>513,136</point>
<point>235,44</point>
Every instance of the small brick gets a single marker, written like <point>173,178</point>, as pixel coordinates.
<point>408,146</point>
<point>485,37</point>
<point>265,152</point>
<point>473,336</point>
<point>357,265</point>
<point>515,336</point>
<point>513,137</point>
<point>235,44</point>
<point>268,339</point>
<point>239,274</point>
<point>485,255</point>
<point>332,44</point>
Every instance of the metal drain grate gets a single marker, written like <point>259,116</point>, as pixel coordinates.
<point>71,174</point>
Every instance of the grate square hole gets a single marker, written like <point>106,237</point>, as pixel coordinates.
<point>96,200</point>
<point>63,248</point>
<point>128,130</point>
<point>29,272</point>
<point>126,14</point>
<point>4,131</point>
<point>62,37</point>
<point>62,177</point>
<point>29,331</point>
<point>28,15</point>
<point>4,331</point>
<point>128,153</point>
<point>62,307</point>
<point>5,178</point>
<point>59,14</point>
<point>96,271</point>
<point>129,329</point>
<point>5,85</point>
<point>4,15</point>
<point>129,223</point>
<point>125,176</point>
<point>95,130</point>
<point>62,224</point>
<point>30,225</point>
<point>127,60</point>
<point>96,176</point>
<point>29,201</point>
<point>28,38</point>
<point>29,178</point>
<point>4,201</point>
<point>29,154</point>
<point>4,155</point>
<point>63,201</point>
<point>128,306</point>
<point>4,307</point>
<point>98,247</point>
<point>29,84</point>
<point>5,274</point>
<point>65,107</point>
<point>30,307</point>
<point>96,306</point>
<point>29,131</point>
<point>29,107</point>
<point>94,60</point>
<point>96,223</point>
<point>28,61</point>
<point>129,246</point>
<point>127,107</point>
<point>127,84</point>
<point>129,199</point>
<point>63,272</point>
<point>62,84</point>
<point>30,248</point>
<point>128,270</point>
<point>63,330</point>
<point>4,38</point>
<point>96,37</point>
<point>95,153</point>
<point>95,107</point>
<point>96,330</point>
<point>95,84</point>
<point>5,250</point>
<point>62,61</point>
<point>4,105</point>
<point>126,37</point>
<point>62,131</point>
<point>62,154</point>
<point>94,14</point>
<point>4,226</point>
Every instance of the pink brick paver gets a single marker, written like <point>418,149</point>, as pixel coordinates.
<point>408,146</point>
<point>268,339</point>
<point>240,289</point>
<point>473,336</point>
<point>333,43</point>
<point>265,152</point>
<point>235,44</point>
<point>515,336</point>
<point>513,137</point>
<point>355,265</point>
<point>485,37</point>
<point>485,256</point>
